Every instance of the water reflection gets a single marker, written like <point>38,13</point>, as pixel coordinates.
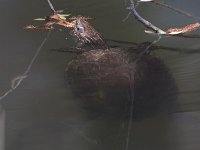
<point>103,80</point>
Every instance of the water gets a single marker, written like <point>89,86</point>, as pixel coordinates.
<point>43,113</point>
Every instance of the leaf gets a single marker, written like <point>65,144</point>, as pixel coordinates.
<point>39,27</point>
<point>29,27</point>
<point>188,28</point>
<point>49,23</point>
<point>65,15</point>
<point>66,24</point>
<point>39,19</point>
<point>149,32</point>
<point>59,11</point>
<point>61,17</point>
<point>56,17</point>
<point>145,0</point>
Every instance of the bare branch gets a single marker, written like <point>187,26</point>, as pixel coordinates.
<point>162,4</point>
<point>142,20</point>
<point>51,6</point>
<point>18,80</point>
<point>176,10</point>
<point>179,32</point>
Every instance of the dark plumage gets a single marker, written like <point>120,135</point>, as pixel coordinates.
<point>86,34</point>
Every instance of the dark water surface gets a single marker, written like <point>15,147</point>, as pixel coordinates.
<point>44,112</point>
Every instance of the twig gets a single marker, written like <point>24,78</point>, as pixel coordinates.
<point>132,99</point>
<point>178,32</point>
<point>142,20</point>
<point>17,80</point>
<point>131,88</point>
<point>147,48</point>
<point>51,6</point>
<point>127,16</point>
<point>176,10</point>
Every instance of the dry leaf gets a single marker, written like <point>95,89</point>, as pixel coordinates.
<point>39,27</point>
<point>66,24</point>
<point>49,23</point>
<point>57,17</point>
<point>185,29</point>
<point>39,19</point>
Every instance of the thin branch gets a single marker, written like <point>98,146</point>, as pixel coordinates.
<point>18,80</point>
<point>179,32</point>
<point>162,4</point>
<point>132,94</point>
<point>176,10</point>
<point>142,20</point>
<point>51,6</point>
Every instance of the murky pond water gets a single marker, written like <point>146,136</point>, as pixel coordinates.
<point>45,112</point>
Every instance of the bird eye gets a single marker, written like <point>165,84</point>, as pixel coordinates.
<point>80,29</point>
<point>79,26</point>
